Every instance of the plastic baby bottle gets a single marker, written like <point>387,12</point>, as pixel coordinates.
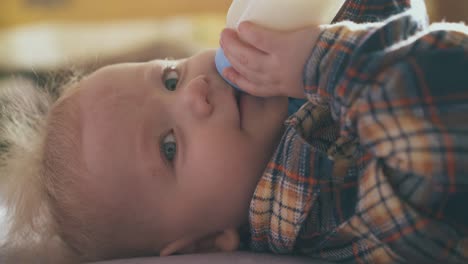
<point>278,15</point>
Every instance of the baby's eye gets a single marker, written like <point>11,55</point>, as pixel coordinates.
<point>169,147</point>
<point>171,79</point>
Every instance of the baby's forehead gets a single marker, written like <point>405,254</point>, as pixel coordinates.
<point>93,91</point>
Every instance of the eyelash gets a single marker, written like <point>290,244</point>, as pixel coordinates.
<point>168,70</point>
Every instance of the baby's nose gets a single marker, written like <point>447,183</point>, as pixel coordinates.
<point>196,96</point>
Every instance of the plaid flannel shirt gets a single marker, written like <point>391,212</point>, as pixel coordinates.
<point>374,167</point>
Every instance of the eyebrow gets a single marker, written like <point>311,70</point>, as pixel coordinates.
<point>168,62</point>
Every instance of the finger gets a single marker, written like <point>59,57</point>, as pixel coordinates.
<point>244,84</point>
<point>261,38</point>
<point>256,77</point>
<point>240,80</point>
<point>236,50</point>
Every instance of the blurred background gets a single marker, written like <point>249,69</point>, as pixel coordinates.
<point>44,35</point>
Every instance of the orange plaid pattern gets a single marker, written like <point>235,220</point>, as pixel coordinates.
<point>374,167</point>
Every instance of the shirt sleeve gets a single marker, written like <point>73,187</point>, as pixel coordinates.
<point>402,92</point>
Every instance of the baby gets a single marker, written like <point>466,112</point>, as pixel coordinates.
<point>125,151</point>
<point>160,152</point>
<point>165,157</point>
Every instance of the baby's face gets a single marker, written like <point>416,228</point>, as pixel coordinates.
<point>168,143</point>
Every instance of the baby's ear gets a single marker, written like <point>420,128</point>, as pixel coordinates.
<point>226,241</point>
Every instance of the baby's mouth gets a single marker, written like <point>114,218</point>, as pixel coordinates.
<point>237,97</point>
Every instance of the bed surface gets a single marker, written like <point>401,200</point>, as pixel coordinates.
<point>224,258</point>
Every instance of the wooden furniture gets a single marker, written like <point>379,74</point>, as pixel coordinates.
<point>20,12</point>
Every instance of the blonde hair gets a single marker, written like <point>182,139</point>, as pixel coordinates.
<point>43,182</point>
<point>91,228</point>
<point>31,233</point>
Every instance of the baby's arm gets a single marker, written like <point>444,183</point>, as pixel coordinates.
<point>404,99</point>
<point>402,94</point>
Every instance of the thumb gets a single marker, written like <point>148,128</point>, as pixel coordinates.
<point>258,36</point>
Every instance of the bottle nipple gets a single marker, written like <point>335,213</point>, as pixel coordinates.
<point>222,63</point>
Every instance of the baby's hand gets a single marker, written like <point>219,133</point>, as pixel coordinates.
<point>268,62</point>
